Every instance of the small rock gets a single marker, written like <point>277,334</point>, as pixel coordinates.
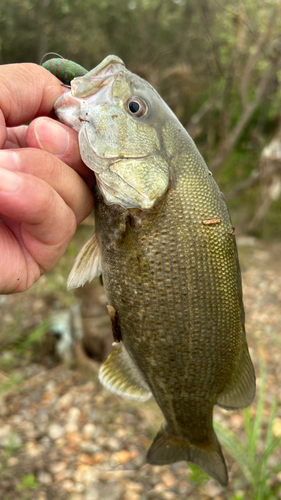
<point>159,488</point>
<point>131,495</point>
<point>168,479</point>
<point>44,477</point>
<point>74,438</point>
<point>110,491</point>
<point>42,496</point>
<point>91,476</point>
<point>80,473</point>
<point>33,449</point>
<point>64,474</point>
<point>92,494</point>
<point>17,419</point>
<point>61,442</point>
<point>56,431</point>
<point>182,488</point>
<point>112,444</point>
<point>13,461</point>
<point>50,386</point>
<point>73,415</point>
<point>42,416</point>
<point>212,488</point>
<point>276,427</point>
<point>134,486</point>
<point>64,402</point>
<point>69,428</point>
<point>169,495</point>
<point>121,433</point>
<point>5,431</point>
<point>89,431</point>
<point>46,442</point>
<point>29,429</point>
<point>79,487</point>
<point>9,438</point>
<point>68,485</point>
<point>89,447</point>
<point>57,467</point>
<point>237,420</point>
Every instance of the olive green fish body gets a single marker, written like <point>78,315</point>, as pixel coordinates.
<point>175,283</point>
<point>165,245</point>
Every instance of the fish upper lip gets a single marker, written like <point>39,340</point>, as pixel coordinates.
<point>96,84</point>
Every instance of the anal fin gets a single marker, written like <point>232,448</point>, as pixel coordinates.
<point>120,375</point>
<point>241,390</point>
<point>87,264</point>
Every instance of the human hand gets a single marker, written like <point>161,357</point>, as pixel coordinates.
<point>44,185</point>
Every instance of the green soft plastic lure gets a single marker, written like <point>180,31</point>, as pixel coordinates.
<point>64,69</point>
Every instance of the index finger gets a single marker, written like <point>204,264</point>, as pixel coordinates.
<point>26,91</point>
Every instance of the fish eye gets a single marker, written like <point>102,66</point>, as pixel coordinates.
<point>136,106</point>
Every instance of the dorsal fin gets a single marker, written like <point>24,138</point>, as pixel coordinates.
<point>87,264</point>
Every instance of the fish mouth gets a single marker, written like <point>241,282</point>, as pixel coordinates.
<point>94,87</point>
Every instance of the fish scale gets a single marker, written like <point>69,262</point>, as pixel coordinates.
<point>165,245</point>
<point>159,316</point>
<point>156,301</point>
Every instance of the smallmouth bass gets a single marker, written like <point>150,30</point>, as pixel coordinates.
<point>165,246</point>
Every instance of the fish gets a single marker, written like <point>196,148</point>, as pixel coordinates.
<point>165,246</point>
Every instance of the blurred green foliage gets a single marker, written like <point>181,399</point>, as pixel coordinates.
<point>28,482</point>
<point>254,463</point>
<point>215,62</point>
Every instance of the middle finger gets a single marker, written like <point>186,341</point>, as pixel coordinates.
<point>63,179</point>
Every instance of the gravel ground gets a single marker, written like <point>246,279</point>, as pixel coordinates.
<point>62,436</point>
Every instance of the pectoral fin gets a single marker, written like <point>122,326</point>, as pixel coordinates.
<point>241,391</point>
<point>120,375</point>
<point>87,264</point>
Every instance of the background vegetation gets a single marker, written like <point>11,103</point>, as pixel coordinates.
<point>216,63</point>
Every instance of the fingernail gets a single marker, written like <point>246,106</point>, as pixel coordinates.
<point>51,136</point>
<point>9,181</point>
<point>9,160</point>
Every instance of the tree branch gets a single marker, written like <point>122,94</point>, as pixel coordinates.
<point>247,114</point>
<point>254,56</point>
<point>254,178</point>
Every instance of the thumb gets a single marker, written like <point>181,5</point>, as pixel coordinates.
<point>60,140</point>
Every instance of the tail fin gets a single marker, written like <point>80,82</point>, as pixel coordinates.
<point>167,449</point>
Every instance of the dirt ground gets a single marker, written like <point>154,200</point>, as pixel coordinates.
<point>63,436</point>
